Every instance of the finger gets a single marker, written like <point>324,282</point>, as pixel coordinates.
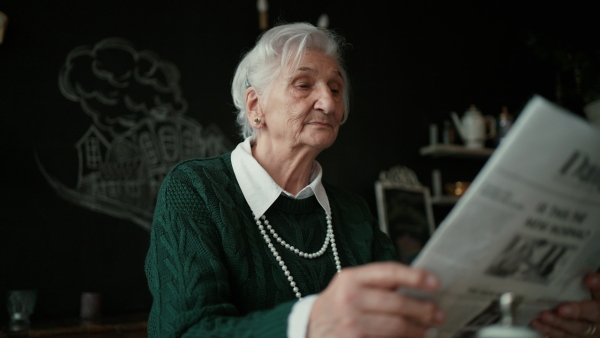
<point>585,310</point>
<point>395,303</point>
<point>588,310</point>
<point>391,326</point>
<point>548,330</point>
<point>390,275</point>
<point>557,326</point>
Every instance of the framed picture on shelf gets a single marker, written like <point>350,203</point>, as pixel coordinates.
<point>405,215</point>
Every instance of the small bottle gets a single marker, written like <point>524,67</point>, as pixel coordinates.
<point>505,121</point>
<point>448,134</point>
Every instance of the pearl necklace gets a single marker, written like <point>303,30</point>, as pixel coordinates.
<point>328,239</point>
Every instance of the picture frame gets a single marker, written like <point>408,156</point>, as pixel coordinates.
<point>405,214</point>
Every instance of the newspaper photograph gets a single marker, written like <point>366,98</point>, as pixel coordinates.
<point>528,224</point>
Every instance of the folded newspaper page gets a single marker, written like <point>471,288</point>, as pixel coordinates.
<point>528,224</point>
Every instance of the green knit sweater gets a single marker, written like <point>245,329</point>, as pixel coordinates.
<point>212,275</point>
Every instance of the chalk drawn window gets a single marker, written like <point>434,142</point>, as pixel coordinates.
<point>169,142</point>
<point>93,154</point>
<point>148,148</point>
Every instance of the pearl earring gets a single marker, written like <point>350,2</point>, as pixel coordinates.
<point>257,120</point>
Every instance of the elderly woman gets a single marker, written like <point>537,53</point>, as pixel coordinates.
<point>253,243</point>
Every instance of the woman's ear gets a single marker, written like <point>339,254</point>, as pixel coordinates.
<point>253,109</point>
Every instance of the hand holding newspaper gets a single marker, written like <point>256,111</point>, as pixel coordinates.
<point>529,224</point>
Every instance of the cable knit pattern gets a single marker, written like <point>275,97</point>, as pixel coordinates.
<point>209,270</point>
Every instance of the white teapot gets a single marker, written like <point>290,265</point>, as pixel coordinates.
<point>472,127</point>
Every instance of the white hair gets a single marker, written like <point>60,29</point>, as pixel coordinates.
<point>272,53</point>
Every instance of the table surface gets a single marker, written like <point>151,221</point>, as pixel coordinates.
<point>131,326</point>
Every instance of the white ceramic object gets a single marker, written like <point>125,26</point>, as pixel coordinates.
<point>472,127</point>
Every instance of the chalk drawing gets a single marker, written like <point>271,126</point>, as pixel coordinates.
<point>138,130</point>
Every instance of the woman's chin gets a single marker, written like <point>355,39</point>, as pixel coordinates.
<point>322,143</point>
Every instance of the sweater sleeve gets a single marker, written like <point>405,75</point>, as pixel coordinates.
<point>188,277</point>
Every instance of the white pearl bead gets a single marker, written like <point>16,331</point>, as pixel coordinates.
<point>329,238</point>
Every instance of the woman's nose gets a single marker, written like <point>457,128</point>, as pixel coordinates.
<point>325,100</point>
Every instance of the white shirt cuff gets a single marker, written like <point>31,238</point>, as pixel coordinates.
<point>298,318</point>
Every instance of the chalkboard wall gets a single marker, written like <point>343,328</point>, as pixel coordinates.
<point>80,171</point>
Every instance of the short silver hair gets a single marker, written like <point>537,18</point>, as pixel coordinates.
<point>272,53</point>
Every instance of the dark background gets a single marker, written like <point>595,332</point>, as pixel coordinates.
<point>409,64</point>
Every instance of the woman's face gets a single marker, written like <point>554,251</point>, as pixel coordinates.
<point>304,106</point>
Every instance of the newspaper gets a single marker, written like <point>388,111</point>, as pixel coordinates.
<point>529,224</point>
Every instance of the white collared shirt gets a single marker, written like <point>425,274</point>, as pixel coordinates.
<point>259,189</point>
<point>260,192</point>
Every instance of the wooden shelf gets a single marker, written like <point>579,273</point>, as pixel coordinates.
<point>452,150</point>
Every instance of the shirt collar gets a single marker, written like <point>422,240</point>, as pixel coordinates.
<point>259,189</point>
